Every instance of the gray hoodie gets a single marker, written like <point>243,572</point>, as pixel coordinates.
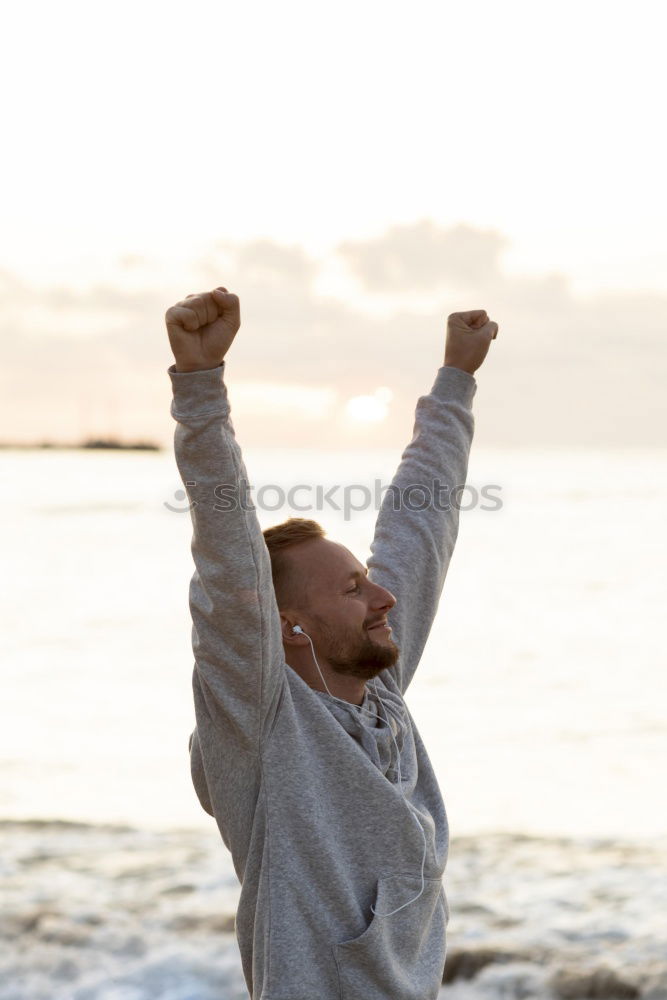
<point>322,820</point>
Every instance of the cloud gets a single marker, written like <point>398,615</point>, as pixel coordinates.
<point>565,371</point>
<point>422,256</point>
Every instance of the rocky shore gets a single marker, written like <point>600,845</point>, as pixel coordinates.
<point>102,912</point>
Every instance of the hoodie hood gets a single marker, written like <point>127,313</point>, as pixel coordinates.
<point>371,724</point>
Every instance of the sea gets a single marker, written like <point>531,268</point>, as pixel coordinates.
<point>541,698</point>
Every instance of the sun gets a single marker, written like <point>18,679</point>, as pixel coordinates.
<point>369,409</point>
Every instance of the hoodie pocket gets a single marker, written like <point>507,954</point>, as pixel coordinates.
<point>401,956</point>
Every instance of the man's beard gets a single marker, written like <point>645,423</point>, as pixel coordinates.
<point>363,658</point>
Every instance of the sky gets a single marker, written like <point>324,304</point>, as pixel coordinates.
<point>355,172</point>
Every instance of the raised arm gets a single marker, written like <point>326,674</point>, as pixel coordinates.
<point>417,526</point>
<point>236,636</point>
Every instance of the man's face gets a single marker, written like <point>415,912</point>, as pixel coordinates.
<point>344,614</point>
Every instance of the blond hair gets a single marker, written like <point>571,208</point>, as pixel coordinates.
<point>279,539</point>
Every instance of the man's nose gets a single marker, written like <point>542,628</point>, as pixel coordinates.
<point>384,598</point>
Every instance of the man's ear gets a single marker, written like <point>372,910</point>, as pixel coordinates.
<point>287,623</point>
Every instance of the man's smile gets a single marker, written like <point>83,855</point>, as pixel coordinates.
<point>383,625</point>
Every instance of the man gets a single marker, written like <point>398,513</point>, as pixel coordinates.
<point>304,750</point>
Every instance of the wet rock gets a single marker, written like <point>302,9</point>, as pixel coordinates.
<point>56,930</point>
<point>599,984</point>
<point>40,857</point>
<point>174,890</point>
<point>94,919</point>
<point>223,923</point>
<point>465,963</point>
<point>24,922</point>
<point>476,909</point>
<point>654,986</point>
<point>519,980</point>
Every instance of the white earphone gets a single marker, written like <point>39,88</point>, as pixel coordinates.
<point>297,630</point>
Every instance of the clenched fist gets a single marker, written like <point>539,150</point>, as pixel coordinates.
<point>469,335</point>
<point>201,329</point>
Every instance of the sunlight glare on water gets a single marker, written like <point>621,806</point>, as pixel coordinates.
<point>540,696</point>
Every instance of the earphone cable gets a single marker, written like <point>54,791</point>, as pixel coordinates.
<point>375,716</point>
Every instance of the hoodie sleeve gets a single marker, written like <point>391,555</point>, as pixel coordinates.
<point>236,636</point>
<point>418,524</point>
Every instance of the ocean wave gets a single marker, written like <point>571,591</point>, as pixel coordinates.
<point>112,912</point>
